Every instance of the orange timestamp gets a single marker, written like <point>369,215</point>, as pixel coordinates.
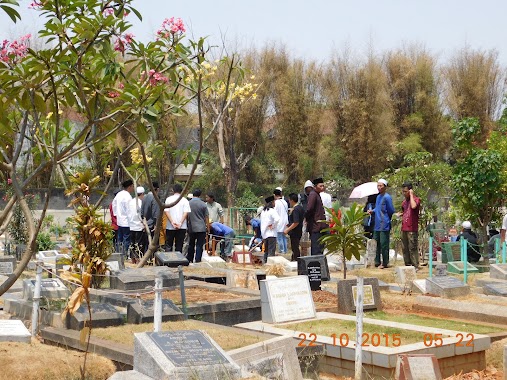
<point>387,340</point>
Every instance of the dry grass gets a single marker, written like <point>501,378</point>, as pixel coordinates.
<point>195,295</point>
<point>37,361</point>
<point>225,338</point>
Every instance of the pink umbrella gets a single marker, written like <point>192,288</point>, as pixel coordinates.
<point>364,190</point>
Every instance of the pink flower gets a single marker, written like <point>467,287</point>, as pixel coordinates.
<point>108,12</point>
<point>123,42</point>
<point>171,26</point>
<point>9,181</point>
<point>156,78</point>
<point>113,94</point>
<point>11,52</point>
<point>36,4</point>
<point>121,86</point>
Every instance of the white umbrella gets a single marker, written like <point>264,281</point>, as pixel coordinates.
<point>361,191</point>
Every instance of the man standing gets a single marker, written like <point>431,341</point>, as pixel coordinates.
<point>327,202</point>
<point>114,223</point>
<point>383,211</point>
<point>215,210</point>
<point>473,248</point>
<point>150,210</point>
<point>303,197</point>
<point>295,228</point>
<point>282,208</point>
<point>121,210</point>
<point>225,233</point>
<point>197,226</point>
<point>138,236</point>
<point>410,226</point>
<point>176,228</point>
<point>269,221</point>
<point>315,214</point>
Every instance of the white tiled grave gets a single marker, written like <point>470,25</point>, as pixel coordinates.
<point>13,330</point>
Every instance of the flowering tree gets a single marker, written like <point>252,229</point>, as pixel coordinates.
<point>91,81</point>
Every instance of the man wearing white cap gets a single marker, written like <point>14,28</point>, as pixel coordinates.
<point>383,211</point>
<point>473,250</point>
<point>138,236</point>
<point>303,197</point>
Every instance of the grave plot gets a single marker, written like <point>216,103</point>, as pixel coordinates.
<point>456,351</point>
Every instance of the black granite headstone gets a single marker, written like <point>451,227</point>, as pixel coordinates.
<point>314,275</point>
<point>170,259</point>
<point>188,348</point>
<point>321,259</point>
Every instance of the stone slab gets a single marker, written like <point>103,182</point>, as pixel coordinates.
<point>116,261</point>
<point>498,271</point>
<point>446,287</point>
<point>103,315</point>
<point>170,259</point>
<point>304,261</point>
<point>182,355</point>
<point>51,288</point>
<point>142,278</point>
<point>458,267</point>
<point>346,292</point>
<point>7,265</point>
<point>421,285</point>
<point>214,261</point>
<point>242,279</point>
<point>141,311</point>
<point>405,275</point>
<point>495,289</point>
<point>129,375</point>
<point>286,299</point>
<point>273,359</point>
<point>13,330</point>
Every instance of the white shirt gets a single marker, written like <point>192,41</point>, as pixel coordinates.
<point>269,217</point>
<point>121,208</point>
<point>282,208</point>
<point>327,202</point>
<point>135,223</point>
<point>504,223</point>
<point>176,212</point>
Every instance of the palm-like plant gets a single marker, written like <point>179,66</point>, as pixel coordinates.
<point>345,236</point>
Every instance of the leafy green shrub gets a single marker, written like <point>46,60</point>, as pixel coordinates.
<point>44,242</point>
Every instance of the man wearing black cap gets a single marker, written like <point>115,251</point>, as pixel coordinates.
<point>315,213</point>
<point>269,222</point>
<point>121,210</point>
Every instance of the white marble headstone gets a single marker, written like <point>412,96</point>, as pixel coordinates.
<point>13,330</point>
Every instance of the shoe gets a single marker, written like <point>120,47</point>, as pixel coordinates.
<point>380,266</point>
<point>377,265</point>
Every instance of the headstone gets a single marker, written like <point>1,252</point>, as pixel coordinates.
<point>103,315</point>
<point>304,261</point>
<point>142,311</point>
<point>440,270</point>
<point>214,261</point>
<point>13,330</point>
<point>420,285</point>
<point>371,252</point>
<point>417,367</point>
<point>286,299</point>
<point>7,264</point>
<point>314,275</point>
<point>498,271</point>
<point>116,261</point>
<point>495,289</point>
<point>182,355</point>
<point>142,278</point>
<point>447,287</point>
<point>405,275</point>
<point>170,259</point>
<point>51,288</point>
<point>242,279</point>
<point>347,299</point>
<point>459,267</point>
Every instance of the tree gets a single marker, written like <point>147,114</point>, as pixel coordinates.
<point>81,71</point>
<point>8,7</point>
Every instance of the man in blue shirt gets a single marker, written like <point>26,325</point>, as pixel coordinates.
<point>220,231</point>
<point>383,211</point>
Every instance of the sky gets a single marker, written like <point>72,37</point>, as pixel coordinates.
<point>316,29</point>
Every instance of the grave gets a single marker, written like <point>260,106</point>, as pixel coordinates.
<point>314,275</point>
<point>446,287</point>
<point>498,271</point>
<point>420,285</point>
<point>423,366</point>
<point>347,290</point>
<point>451,251</point>
<point>7,265</point>
<point>142,311</point>
<point>280,260</point>
<point>170,259</point>
<point>242,257</point>
<point>116,261</point>
<point>275,358</point>
<point>371,252</point>
<point>440,270</point>
<point>214,261</point>
<point>182,355</point>
<point>13,330</point>
<point>405,275</point>
<point>304,261</point>
<point>286,299</point>
<point>103,315</point>
<point>52,257</point>
<point>458,267</point>
<point>141,278</point>
<point>242,279</point>
<point>51,288</point>
<point>495,289</point>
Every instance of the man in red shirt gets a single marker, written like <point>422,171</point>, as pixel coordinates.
<point>410,226</point>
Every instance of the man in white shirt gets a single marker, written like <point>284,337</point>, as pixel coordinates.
<point>121,210</point>
<point>269,221</point>
<point>138,235</point>
<point>327,202</point>
<point>176,227</point>
<point>282,209</point>
<point>503,229</point>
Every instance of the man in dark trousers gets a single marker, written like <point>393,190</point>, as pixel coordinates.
<point>150,210</point>
<point>198,221</point>
<point>315,215</point>
<point>295,228</point>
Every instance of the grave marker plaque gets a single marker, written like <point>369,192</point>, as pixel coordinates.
<point>440,270</point>
<point>314,275</point>
<point>368,298</point>
<point>447,287</point>
<point>304,261</point>
<point>417,367</point>
<point>171,259</point>
<point>347,295</point>
<point>6,267</point>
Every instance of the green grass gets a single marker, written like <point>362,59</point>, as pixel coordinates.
<point>447,324</point>
<point>328,327</point>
